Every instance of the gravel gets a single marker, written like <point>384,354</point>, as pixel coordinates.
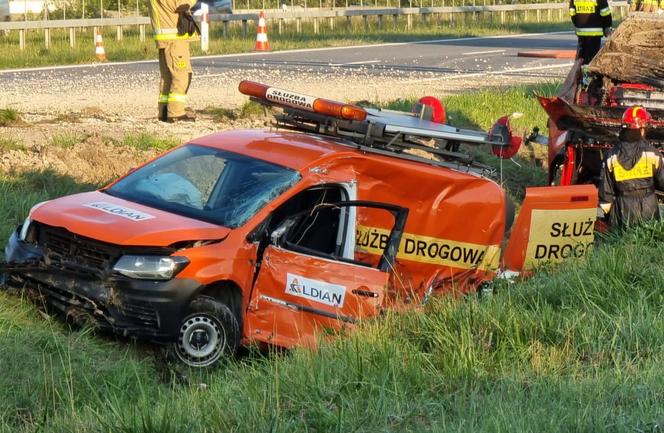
<point>98,107</point>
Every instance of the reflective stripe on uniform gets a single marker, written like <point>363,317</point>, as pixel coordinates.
<point>177,97</point>
<point>605,12</point>
<point>656,158</point>
<point>585,7</point>
<point>163,98</point>
<point>169,35</point>
<point>643,169</point>
<point>590,31</point>
<point>572,11</point>
<point>610,162</point>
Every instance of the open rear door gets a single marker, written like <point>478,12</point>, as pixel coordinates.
<point>555,223</point>
<point>311,280</point>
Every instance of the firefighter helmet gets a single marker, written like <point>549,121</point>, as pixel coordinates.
<point>636,117</point>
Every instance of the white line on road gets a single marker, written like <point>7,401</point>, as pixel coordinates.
<point>361,62</point>
<point>271,53</point>
<point>473,53</point>
<point>481,74</point>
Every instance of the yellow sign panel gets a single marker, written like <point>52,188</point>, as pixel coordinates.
<point>430,250</point>
<point>642,170</point>
<point>556,235</point>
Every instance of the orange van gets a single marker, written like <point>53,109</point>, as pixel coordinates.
<point>270,236</point>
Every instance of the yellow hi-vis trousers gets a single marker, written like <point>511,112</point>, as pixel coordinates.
<point>175,70</point>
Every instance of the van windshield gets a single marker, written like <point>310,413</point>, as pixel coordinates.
<point>208,184</point>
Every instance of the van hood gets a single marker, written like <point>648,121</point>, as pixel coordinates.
<point>113,220</point>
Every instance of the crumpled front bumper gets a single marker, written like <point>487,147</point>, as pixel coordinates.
<point>21,252</point>
<point>142,308</point>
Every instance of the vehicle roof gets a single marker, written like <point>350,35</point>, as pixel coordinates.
<point>295,150</point>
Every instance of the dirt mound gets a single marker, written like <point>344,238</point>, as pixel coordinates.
<point>634,53</point>
<point>91,161</point>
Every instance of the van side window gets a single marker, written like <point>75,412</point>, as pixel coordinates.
<point>334,229</point>
<point>320,230</point>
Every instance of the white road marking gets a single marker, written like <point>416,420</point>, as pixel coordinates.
<point>210,75</point>
<point>473,53</point>
<point>271,53</point>
<point>481,74</point>
<point>361,62</point>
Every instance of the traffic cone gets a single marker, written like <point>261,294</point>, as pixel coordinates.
<point>99,48</point>
<point>261,36</point>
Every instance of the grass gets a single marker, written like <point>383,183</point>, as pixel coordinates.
<point>8,143</point>
<point>20,192</point>
<point>575,348</point>
<point>145,141</point>
<point>221,114</point>
<point>480,110</point>
<point>131,48</point>
<point>65,140</point>
<point>248,110</point>
<point>9,117</point>
<point>580,349</point>
<point>139,140</point>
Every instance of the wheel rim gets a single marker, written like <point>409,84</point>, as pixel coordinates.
<point>201,341</point>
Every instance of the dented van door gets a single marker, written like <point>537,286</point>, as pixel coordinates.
<point>554,224</point>
<point>308,285</point>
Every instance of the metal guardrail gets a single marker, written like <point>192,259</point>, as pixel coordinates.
<point>281,16</point>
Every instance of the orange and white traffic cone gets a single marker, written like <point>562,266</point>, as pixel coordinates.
<point>261,36</point>
<point>99,48</point>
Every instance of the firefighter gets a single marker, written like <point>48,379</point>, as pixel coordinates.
<point>631,173</point>
<point>174,27</point>
<point>592,19</point>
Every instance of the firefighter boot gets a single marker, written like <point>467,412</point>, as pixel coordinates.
<point>187,117</point>
<point>163,112</point>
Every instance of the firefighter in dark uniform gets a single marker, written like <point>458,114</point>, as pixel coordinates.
<point>592,19</point>
<point>632,172</point>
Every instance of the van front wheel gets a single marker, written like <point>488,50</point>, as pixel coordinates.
<point>209,331</point>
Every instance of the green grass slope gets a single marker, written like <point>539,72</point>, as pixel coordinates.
<point>575,349</point>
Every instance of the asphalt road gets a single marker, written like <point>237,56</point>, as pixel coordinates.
<point>371,72</point>
<point>494,54</point>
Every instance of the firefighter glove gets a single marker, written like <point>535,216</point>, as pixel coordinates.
<point>607,31</point>
<point>186,23</point>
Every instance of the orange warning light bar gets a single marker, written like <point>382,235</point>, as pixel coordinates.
<point>251,88</point>
<point>303,102</point>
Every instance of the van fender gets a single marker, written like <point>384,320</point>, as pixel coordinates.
<point>555,224</point>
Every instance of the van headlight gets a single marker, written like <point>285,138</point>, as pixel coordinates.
<point>23,234</point>
<point>150,267</point>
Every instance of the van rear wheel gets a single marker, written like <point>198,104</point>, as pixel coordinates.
<point>209,331</point>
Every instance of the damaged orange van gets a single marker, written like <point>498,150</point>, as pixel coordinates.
<point>270,236</point>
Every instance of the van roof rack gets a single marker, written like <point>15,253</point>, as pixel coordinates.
<point>384,132</point>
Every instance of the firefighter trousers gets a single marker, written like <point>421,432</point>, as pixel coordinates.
<point>175,70</point>
<point>631,210</point>
<point>588,47</point>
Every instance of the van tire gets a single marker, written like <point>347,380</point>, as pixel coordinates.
<point>208,332</point>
